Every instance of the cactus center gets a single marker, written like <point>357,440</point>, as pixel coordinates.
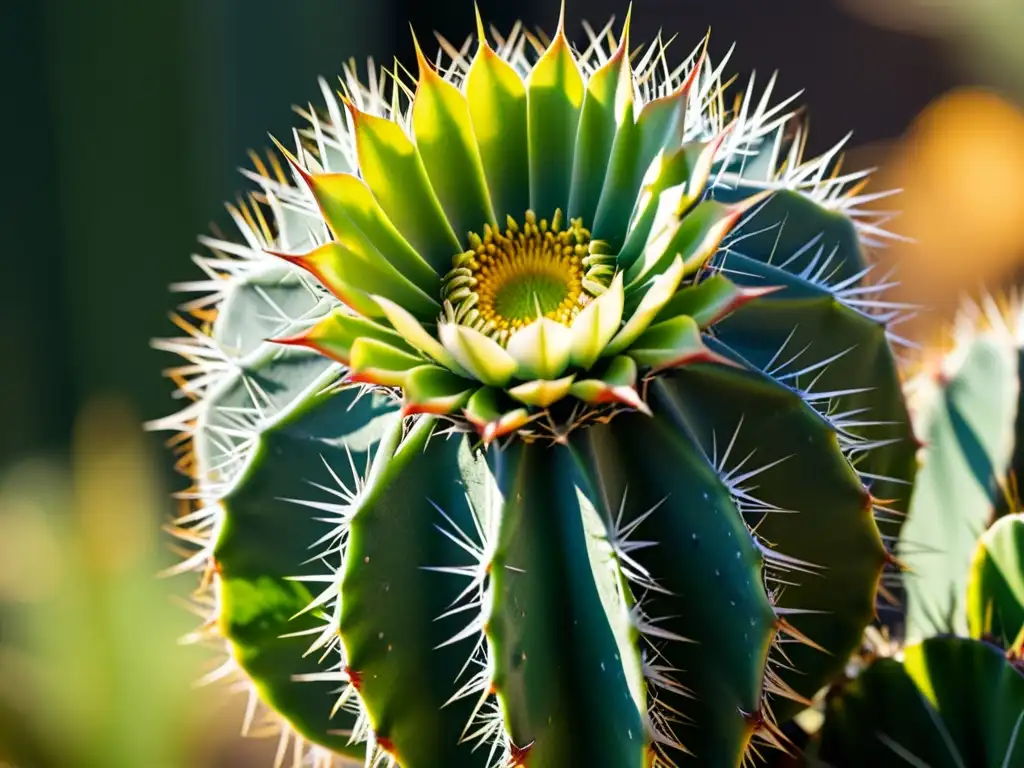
<point>509,279</point>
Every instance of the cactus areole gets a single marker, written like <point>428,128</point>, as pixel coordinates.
<point>544,413</point>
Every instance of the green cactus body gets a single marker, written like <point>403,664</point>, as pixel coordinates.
<point>607,484</point>
<point>950,703</point>
<point>966,412</point>
<point>995,584</point>
<point>955,695</point>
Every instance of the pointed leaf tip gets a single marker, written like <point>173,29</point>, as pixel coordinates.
<point>542,393</point>
<point>335,335</point>
<point>737,210</point>
<point>292,258</point>
<point>497,98</point>
<point>444,136</point>
<point>434,390</point>
<point>392,167</point>
<point>373,361</point>
<point>425,70</point>
<point>713,300</point>
<point>485,359</point>
<point>616,385</point>
<point>541,350</point>
<point>556,91</point>
<point>484,413</point>
<point>623,47</point>
<point>302,340</point>
<point>292,161</point>
<point>481,32</point>
<point>673,344</point>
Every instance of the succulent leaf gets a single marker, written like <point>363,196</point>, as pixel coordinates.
<point>335,335</point>
<point>995,584</point>
<point>498,107</point>
<point>674,182</point>
<point>476,353</point>
<point>657,296</point>
<point>380,363</point>
<point>393,169</point>
<point>410,329</point>
<point>693,238</point>
<point>711,301</point>
<point>432,389</point>
<point>671,344</point>
<point>542,392</point>
<point>355,218</point>
<point>616,385</point>
<point>541,349</point>
<point>596,325</point>
<point>445,140</point>
<point>352,273</point>
<point>555,92</point>
<point>490,419</point>
<point>607,105</point>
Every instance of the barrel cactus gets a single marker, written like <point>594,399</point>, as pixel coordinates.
<point>544,413</point>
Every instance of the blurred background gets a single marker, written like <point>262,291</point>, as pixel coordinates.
<point>124,124</point>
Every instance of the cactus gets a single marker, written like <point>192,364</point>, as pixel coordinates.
<point>955,695</point>
<point>951,702</point>
<point>542,415</point>
<point>995,585</point>
<point>966,408</point>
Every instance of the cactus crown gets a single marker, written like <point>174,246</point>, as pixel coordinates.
<point>519,244</point>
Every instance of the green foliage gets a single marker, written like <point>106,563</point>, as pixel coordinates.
<point>965,417</point>
<point>967,413</point>
<point>951,703</point>
<point>956,697</point>
<point>640,522</point>
<point>91,673</point>
<point>995,584</point>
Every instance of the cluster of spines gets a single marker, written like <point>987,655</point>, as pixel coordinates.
<point>207,363</point>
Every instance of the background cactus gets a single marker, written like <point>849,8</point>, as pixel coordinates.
<point>955,695</point>
<point>995,584</point>
<point>951,702</point>
<point>649,528</point>
<point>966,409</point>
